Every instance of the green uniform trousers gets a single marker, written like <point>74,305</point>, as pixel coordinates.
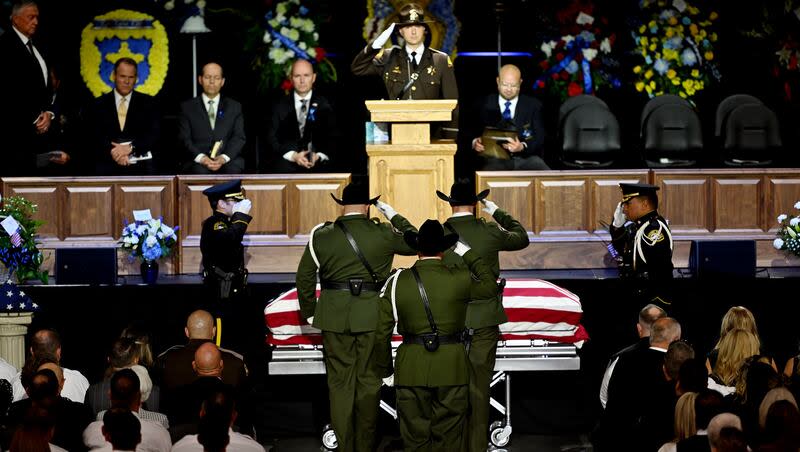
<point>354,386</point>
<point>482,356</point>
<point>432,419</point>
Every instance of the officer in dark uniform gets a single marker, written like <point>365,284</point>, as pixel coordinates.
<point>353,256</point>
<point>432,372</point>
<point>412,72</point>
<point>640,236</point>
<point>221,245</point>
<point>487,239</point>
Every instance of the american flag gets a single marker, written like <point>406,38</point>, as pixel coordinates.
<point>16,240</point>
<point>13,299</point>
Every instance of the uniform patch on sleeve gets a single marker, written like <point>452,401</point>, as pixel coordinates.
<point>220,225</point>
<point>655,236</point>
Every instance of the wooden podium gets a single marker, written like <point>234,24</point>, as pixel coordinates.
<point>407,170</point>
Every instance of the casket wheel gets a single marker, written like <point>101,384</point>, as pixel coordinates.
<point>499,434</point>
<point>329,441</point>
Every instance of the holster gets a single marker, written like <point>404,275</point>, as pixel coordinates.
<point>355,286</point>
<point>467,335</point>
<point>430,342</point>
<point>224,283</point>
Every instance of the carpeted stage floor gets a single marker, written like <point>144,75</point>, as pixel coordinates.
<point>551,410</point>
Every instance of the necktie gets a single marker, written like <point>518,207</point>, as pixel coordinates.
<point>122,112</point>
<point>301,116</point>
<point>212,113</point>
<point>507,111</point>
<point>414,64</point>
<point>30,47</point>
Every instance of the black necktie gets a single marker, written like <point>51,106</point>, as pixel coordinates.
<point>414,64</point>
<point>30,47</point>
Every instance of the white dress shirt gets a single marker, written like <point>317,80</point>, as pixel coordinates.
<point>289,156</point>
<point>36,53</point>
<point>7,371</point>
<point>237,443</point>
<point>420,50</point>
<point>75,386</point>
<point>155,438</point>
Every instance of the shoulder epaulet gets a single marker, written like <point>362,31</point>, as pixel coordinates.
<point>174,347</point>
<point>236,355</point>
<point>437,51</point>
<point>220,225</point>
<point>375,220</point>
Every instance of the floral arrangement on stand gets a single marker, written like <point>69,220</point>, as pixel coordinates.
<point>148,240</point>
<point>789,233</point>
<point>19,253</point>
<point>580,61</point>
<point>676,47</point>
<point>288,32</point>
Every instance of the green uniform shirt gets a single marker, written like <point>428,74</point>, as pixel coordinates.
<point>487,239</point>
<point>449,291</point>
<point>337,310</point>
<point>435,76</point>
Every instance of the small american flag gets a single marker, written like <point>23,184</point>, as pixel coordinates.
<point>16,240</point>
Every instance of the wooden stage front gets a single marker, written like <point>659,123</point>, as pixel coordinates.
<point>562,211</point>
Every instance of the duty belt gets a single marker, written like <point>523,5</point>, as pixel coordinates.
<point>421,339</point>
<point>355,286</point>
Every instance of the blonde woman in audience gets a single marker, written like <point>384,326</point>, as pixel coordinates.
<point>737,317</point>
<point>685,425</point>
<point>737,345</point>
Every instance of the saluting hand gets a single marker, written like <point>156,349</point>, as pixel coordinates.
<point>489,207</point>
<point>383,37</point>
<point>619,217</point>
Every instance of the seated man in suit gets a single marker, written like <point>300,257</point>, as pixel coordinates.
<point>512,111</point>
<point>123,124</point>
<point>209,119</point>
<point>301,132</point>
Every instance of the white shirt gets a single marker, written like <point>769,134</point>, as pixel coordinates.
<point>513,107</point>
<point>38,55</point>
<point>289,156</point>
<point>155,438</point>
<point>237,443</point>
<point>75,386</point>
<point>420,50</point>
<point>7,371</point>
<point>462,214</point>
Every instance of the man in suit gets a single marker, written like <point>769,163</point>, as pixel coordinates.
<point>27,113</point>
<point>210,119</point>
<point>302,129</point>
<point>353,256</point>
<point>512,111</point>
<point>123,126</point>
<point>487,239</point>
<point>432,370</point>
<point>413,72</point>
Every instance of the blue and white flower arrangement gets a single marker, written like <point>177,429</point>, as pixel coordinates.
<point>148,240</point>
<point>789,233</point>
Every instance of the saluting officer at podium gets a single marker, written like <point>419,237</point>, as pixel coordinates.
<point>640,235</point>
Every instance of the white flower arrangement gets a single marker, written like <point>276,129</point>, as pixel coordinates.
<point>788,233</point>
<point>148,240</point>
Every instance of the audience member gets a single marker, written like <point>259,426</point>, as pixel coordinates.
<point>781,428</point>
<point>647,316</point>
<point>208,119</point>
<point>35,433</point>
<point>707,404</point>
<point>122,429</point>
<point>175,364</point>
<point>514,112</point>
<point>737,317</point>
<point>718,423</point>
<point>217,415</point>
<point>692,377</point>
<point>28,107</point>
<point>730,439</point>
<point>123,126</point>
<point>123,355</point>
<point>7,371</point>
<point>67,419</point>
<point>774,395</point>
<point>46,343</point>
<point>733,350</point>
<point>685,421</point>
<point>302,130</point>
<point>141,342</point>
<point>125,394</point>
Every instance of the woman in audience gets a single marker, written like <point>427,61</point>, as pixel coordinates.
<point>123,355</point>
<point>141,339</point>
<point>737,317</point>
<point>734,348</point>
<point>685,425</point>
<point>756,378</point>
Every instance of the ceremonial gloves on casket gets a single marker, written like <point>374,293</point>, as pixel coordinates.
<point>387,210</point>
<point>619,217</point>
<point>489,207</point>
<point>383,37</point>
<point>243,206</point>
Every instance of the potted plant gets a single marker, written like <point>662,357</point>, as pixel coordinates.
<point>149,241</point>
<point>20,257</point>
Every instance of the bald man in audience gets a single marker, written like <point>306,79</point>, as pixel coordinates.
<point>46,343</point>
<point>720,442</point>
<point>175,364</point>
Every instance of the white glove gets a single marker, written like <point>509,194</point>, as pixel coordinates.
<point>310,320</point>
<point>389,381</point>
<point>243,206</point>
<point>387,210</point>
<point>489,207</point>
<point>461,248</point>
<point>383,37</point>
<point>619,217</point>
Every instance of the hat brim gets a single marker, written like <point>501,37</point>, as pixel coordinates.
<point>448,241</point>
<point>480,196</point>
<point>343,203</point>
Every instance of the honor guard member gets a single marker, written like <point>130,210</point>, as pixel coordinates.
<point>431,370</point>
<point>411,72</point>
<point>353,256</point>
<point>640,236</point>
<point>221,244</point>
<point>487,239</point>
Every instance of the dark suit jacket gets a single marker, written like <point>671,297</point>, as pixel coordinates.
<point>527,122</point>
<point>71,419</point>
<point>175,366</point>
<point>26,95</point>
<point>96,398</point>
<point>284,134</point>
<point>196,135</point>
<point>141,128</point>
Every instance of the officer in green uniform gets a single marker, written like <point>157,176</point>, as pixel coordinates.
<point>640,236</point>
<point>353,256</point>
<point>414,71</point>
<point>487,239</point>
<point>221,246</point>
<point>432,374</point>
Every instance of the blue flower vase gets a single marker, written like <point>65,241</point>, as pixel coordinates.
<point>149,272</point>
